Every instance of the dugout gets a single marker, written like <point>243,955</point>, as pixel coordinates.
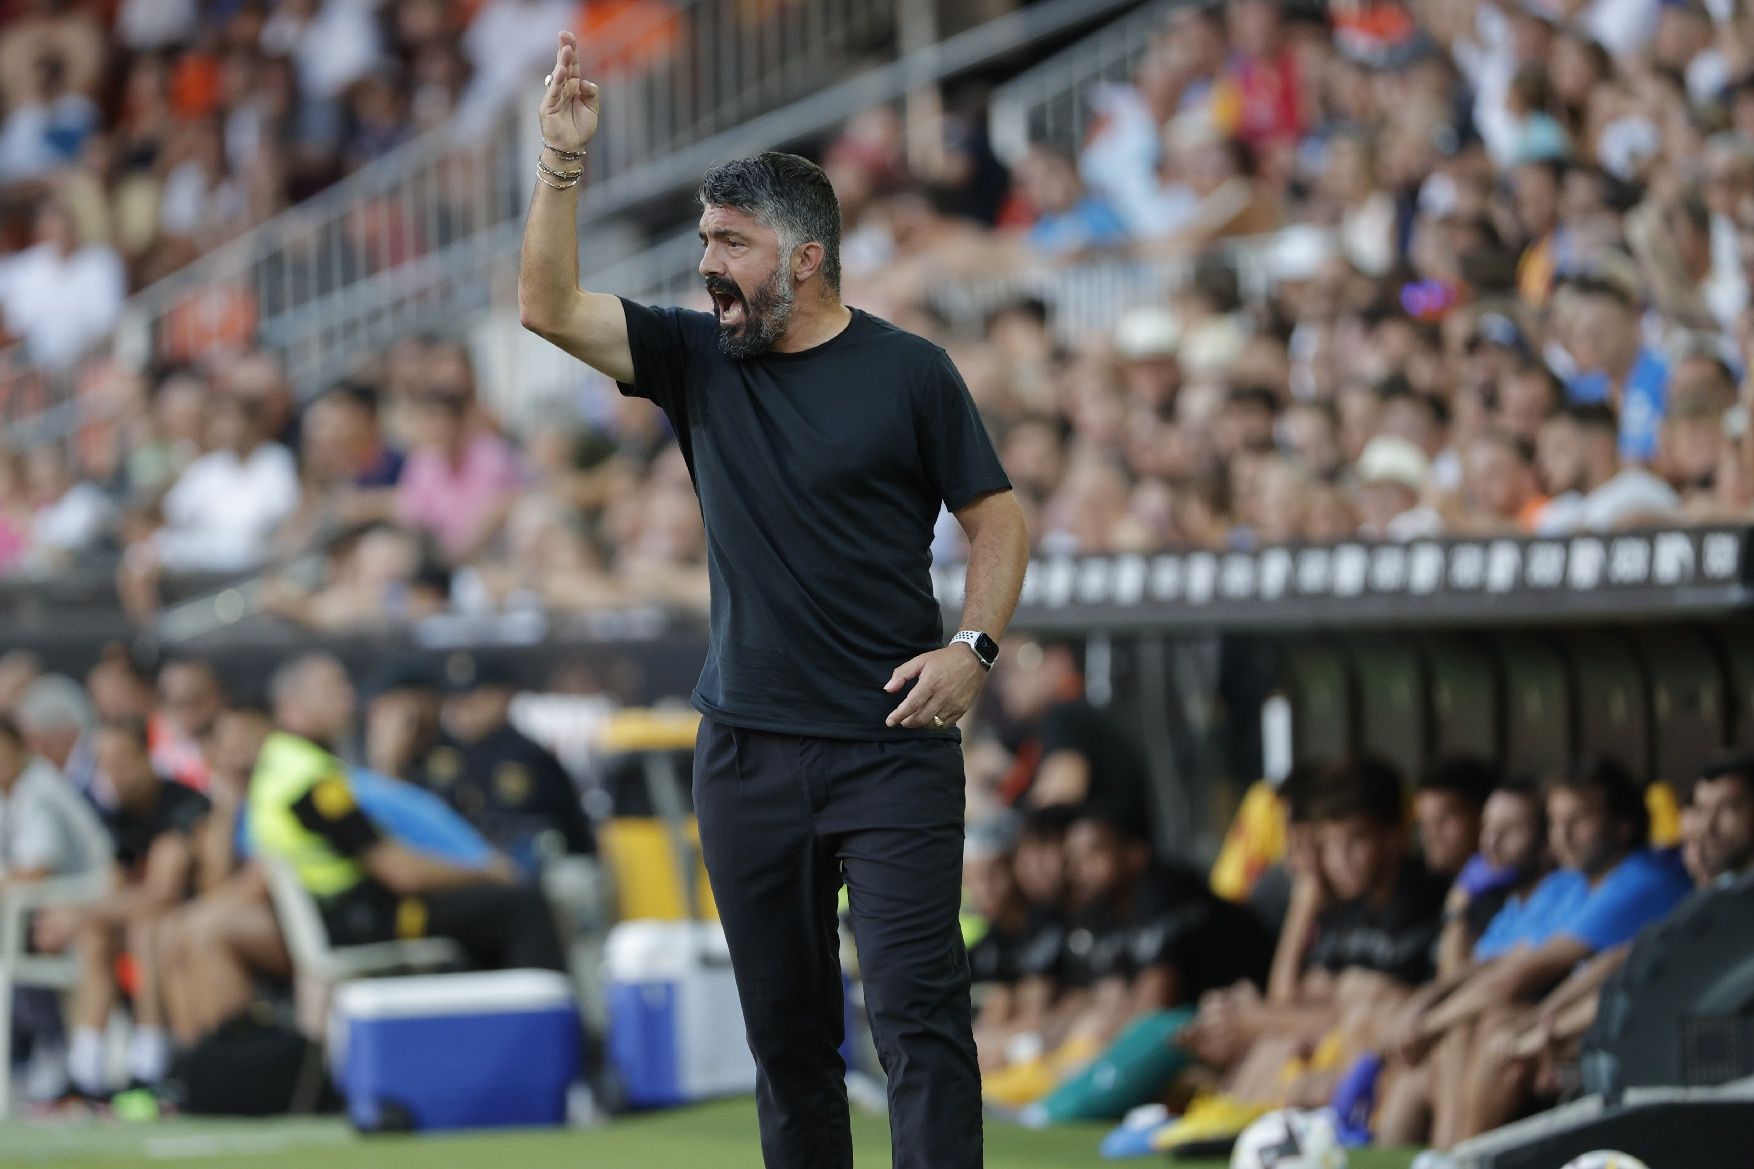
<point>1533,652</point>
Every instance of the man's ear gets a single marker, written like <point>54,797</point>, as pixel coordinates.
<point>806,261</point>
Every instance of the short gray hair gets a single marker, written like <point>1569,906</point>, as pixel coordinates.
<point>787,193</point>
<point>293,675</point>
<point>54,702</point>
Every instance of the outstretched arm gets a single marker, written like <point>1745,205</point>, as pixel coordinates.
<point>589,325</point>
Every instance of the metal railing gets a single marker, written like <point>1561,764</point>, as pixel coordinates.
<point>1085,299</point>
<point>408,239</point>
<point>1051,102</point>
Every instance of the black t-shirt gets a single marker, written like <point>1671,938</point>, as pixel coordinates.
<point>1397,938</point>
<point>1211,942</point>
<point>993,959</point>
<point>510,787</point>
<point>1098,946</point>
<point>178,809</point>
<point>820,476</point>
<point>1040,948</point>
<point>1117,766</point>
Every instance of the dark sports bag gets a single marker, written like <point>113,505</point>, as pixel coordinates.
<point>253,1065</point>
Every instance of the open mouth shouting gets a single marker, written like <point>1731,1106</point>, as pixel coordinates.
<point>728,303</point>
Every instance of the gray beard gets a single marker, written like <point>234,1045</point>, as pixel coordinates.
<point>766,313</point>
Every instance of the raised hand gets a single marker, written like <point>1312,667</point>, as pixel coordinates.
<point>568,114</point>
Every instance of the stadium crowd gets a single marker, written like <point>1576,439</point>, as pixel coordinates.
<point>137,134</point>
<point>1452,266</point>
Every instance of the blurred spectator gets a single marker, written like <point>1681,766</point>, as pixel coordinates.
<point>1501,493</point>
<point>60,295</point>
<point>1067,219</point>
<point>222,510</point>
<point>1391,474</point>
<point>1579,456</point>
<point>71,518</point>
<point>343,440</point>
<point>459,481</point>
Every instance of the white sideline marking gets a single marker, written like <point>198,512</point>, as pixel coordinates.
<point>167,1148</point>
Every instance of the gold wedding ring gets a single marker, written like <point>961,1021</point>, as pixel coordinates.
<point>937,722</point>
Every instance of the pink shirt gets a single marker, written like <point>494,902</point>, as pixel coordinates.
<point>452,502</point>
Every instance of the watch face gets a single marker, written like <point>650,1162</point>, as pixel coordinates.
<point>987,648</point>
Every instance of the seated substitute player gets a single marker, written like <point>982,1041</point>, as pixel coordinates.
<point>303,812</point>
<point>1362,927</point>
<point>1144,940</point>
<point>213,950</point>
<point>1607,888</point>
<point>1521,1058</point>
<point>153,826</point>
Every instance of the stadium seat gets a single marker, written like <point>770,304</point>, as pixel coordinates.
<point>322,967</point>
<point>1612,696</point>
<point>1316,676</point>
<point>1679,1011</point>
<point>1537,705</point>
<point>1689,701</point>
<point>1466,708</point>
<point>1393,708</point>
<point>21,969</point>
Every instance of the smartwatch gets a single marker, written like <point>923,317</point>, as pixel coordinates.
<point>984,647</point>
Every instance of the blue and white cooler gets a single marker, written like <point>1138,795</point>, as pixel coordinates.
<point>675,1026</point>
<point>452,1051</point>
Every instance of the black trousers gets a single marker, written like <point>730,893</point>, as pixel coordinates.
<point>784,820</point>
<point>500,927</point>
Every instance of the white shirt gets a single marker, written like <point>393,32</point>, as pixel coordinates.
<point>222,510</point>
<point>60,304</point>
<point>332,50</point>
<point>74,521</point>
<point>509,45</point>
<point>45,826</point>
<point>156,24</point>
<point>1632,492</point>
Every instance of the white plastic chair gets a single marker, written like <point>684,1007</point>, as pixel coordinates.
<point>321,967</point>
<point>21,969</point>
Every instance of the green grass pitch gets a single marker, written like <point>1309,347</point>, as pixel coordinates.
<point>719,1136</point>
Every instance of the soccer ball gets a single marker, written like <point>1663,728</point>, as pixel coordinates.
<point>1290,1139</point>
<point>1607,1159</point>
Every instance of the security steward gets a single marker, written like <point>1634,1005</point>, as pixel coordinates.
<point>505,783</point>
<point>371,888</point>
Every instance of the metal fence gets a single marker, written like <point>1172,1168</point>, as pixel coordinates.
<point>1052,102</point>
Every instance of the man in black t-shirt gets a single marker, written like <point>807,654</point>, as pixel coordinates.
<point>152,826</point>
<point>1066,751</point>
<point>823,444</point>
